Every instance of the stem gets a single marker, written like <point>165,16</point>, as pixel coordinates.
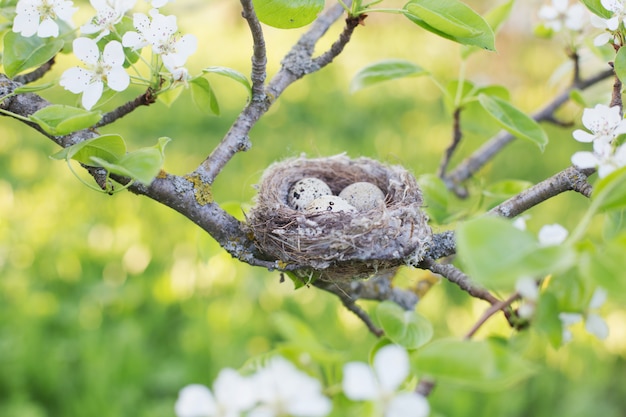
<point>500,305</point>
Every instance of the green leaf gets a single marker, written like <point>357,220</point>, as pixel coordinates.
<point>483,366</point>
<point>142,165</point>
<point>606,264</point>
<point>620,64</point>
<point>453,20</point>
<point>405,328</point>
<point>576,96</point>
<point>496,254</point>
<point>287,14</point>
<point>232,74</point>
<point>494,17</point>
<point>31,88</point>
<point>609,193</point>
<point>383,71</point>
<point>493,250</point>
<point>22,53</point>
<point>513,120</point>
<point>546,319</point>
<point>107,147</point>
<point>61,120</point>
<point>596,7</point>
<point>436,197</point>
<point>203,96</point>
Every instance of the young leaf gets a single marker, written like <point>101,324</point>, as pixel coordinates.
<point>31,88</point>
<point>405,328</point>
<point>61,120</point>
<point>483,366</point>
<point>142,165</point>
<point>378,72</point>
<point>203,96</point>
<point>452,20</point>
<point>610,191</point>
<point>233,75</point>
<point>494,17</point>
<point>436,197</point>
<point>620,65</point>
<point>514,120</point>
<point>107,147</point>
<point>22,53</point>
<point>287,14</point>
<point>596,7</point>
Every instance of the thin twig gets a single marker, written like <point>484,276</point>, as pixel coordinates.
<point>360,313</point>
<point>457,134</point>
<point>490,148</point>
<point>616,94</point>
<point>36,74</point>
<point>456,276</point>
<point>144,99</point>
<point>500,305</point>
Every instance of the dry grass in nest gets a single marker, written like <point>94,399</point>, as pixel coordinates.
<point>340,246</point>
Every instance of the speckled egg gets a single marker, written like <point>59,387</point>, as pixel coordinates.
<point>304,191</point>
<point>363,196</point>
<point>330,203</point>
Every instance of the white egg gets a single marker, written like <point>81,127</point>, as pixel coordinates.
<point>363,196</point>
<point>304,191</point>
<point>330,203</point>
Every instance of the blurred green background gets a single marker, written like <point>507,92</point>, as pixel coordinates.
<point>109,305</point>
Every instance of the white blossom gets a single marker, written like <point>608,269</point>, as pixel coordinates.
<point>282,389</point>
<point>159,3</point>
<point>105,68</point>
<point>610,25</point>
<point>381,383</point>
<point>108,14</point>
<point>233,394</point>
<point>40,17</point>
<point>552,234</point>
<point>528,289</point>
<point>160,32</point>
<point>561,14</point>
<point>594,324</point>
<point>604,158</point>
<point>605,123</point>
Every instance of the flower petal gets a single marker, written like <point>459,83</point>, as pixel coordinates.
<point>569,319</point>
<point>408,404</point>
<point>232,391</point>
<point>552,234</point>
<point>48,28</point>
<point>527,288</point>
<point>585,160</point>
<point>598,298</point>
<point>86,50</point>
<point>113,54</point>
<point>359,382</point>
<point>597,326</point>
<point>92,94</point>
<point>582,136</point>
<point>391,365</point>
<point>195,401</point>
<point>75,80</point>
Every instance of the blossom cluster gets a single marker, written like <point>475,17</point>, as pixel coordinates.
<point>605,124</point>
<point>105,67</point>
<point>281,389</point>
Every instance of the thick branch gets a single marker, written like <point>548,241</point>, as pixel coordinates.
<point>486,152</point>
<point>570,179</point>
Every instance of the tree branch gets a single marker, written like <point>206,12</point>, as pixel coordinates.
<point>36,74</point>
<point>486,152</point>
<point>259,56</point>
<point>452,274</point>
<point>457,134</point>
<point>296,64</point>
<point>145,99</point>
<point>570,179</point>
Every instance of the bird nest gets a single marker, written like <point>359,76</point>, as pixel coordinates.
<point>340,246</point>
